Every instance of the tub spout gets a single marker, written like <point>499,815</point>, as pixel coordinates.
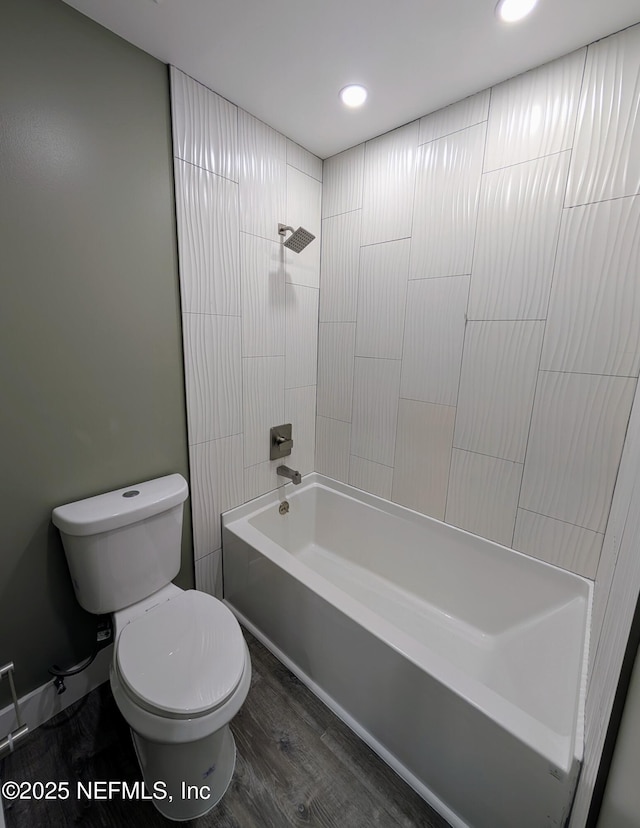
<point>285,471</point>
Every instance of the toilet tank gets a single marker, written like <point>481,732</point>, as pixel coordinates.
<point>123,546</point>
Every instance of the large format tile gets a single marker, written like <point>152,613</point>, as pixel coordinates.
<point>205,126</point>
<point>303,160</point>
<point>389,177</point>
<point>557,542</point>
<point>340,267</point>
<point>343,177</point>
<point>304,195</point>
<point>332,448</point>
<point>263,297</point>
<point>301,336</point>
<point>423,456</point>
<point>577,431</point>
<point>382,296</point>
<point>465,113</point>
<point>497,384</point>
<point>263,404</point>
<point>370,477</point>
<point>213,376</point>
<point>433,339</point>
<point>483,495</point>
<point>534,114</point>
<point>449,171</point>
<point>208,572</point>
<point>207,223</point>
<point>594,312</point>
<point>336,350</point>
<point>517,237</point>
<point>300,411</point>
<point>606,153</point>
<point>376,384</point>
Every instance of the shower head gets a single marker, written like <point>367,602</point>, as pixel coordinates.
<point>298,239</point>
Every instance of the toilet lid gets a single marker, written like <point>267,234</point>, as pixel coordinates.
<point>184,657</point>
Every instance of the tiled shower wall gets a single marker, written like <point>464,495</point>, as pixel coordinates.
<point>249,306</point>
<point>479,334</point>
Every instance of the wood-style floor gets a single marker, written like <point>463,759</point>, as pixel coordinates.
<point>297,765</point>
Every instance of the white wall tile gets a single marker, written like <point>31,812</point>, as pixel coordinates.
<point>263,297</point>
<point>213,376</point>
<point>447,190</point>
<point>343,177</point>
<point>423,456</point>
<point>336,350</point>
<point>216,485</point>
<point>300,411</point>
<point>559,543</point>
<point>263,180</point>
<point>303,160</point>
<point>208,571</point>
<point>332,448</point>
<point>376,385</point>
<point>534,114</point>
<point>465,113</point>
<point>207,223</point>
<point>516,240</point>
<point>389,179</point>
<point>497,384</point>
<point>594,311</point>
<point>301,336</point>
<point>606,152</point>
<point>263,404</point>
<point>205,126</point>
<point>577,431</point>
<point>433,338</point>
<point>262,478</point>
<point>340,265</point>
<point>370,477</point>
<point>483,495</point>
<point>382,296</point>
<point>304,196</point>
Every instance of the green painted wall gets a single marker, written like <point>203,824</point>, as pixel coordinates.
<point>91,372</point>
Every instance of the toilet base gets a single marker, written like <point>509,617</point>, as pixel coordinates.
<point>187,780</point>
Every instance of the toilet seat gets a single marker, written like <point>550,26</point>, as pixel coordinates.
<point>183,658</point>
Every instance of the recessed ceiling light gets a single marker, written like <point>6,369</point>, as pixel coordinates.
<point>512,10</point>
<point>353,95</point>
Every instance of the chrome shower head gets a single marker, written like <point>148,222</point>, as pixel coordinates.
<point>298,239</point>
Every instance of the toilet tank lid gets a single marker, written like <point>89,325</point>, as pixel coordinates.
<point>122,507</point>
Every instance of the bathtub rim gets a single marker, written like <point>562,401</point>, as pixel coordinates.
<point>561,750</point>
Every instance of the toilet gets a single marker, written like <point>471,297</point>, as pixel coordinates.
<point>181,668</point>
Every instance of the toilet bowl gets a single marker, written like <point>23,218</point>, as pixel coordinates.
<point>181,668</point>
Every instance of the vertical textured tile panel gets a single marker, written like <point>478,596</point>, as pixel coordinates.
<point>205,126</point>
<point>423,456</point>
<point>332,448</point>
<point>433,338</point>
<point>207,219</point>
<point>559,543</point>
<point>303,209</point>
<point>209,574</point>
<point>594,312</point>
<point>301,337</point>
<point>497,384</point>
<point>263,180</point>
<point>343,177</point>
<point>216,485</point>
<point>446,204</point>
<point>606,153</point>
<point>483,495</point>
<point>340,265</point>
<point>382,296</point>
<point>213,376</point>
<point>263,297</point>
<point>336,350</point>
<point>370,477</point>
<point>262,478</point>
<point>303,160</point>
<point>468,112</point>
<point>577,431</point>
<point>300,411</point>
<point>263,403</point>
<point>389,180</point>
<point>534,114</point>
<point>375,409</point>
<point>516,241</point>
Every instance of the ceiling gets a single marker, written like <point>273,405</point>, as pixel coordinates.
<point>285,61</point>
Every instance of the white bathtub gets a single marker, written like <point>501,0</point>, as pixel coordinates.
<point>460,662</point>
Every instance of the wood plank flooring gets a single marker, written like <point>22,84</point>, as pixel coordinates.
<point>298,765</point>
